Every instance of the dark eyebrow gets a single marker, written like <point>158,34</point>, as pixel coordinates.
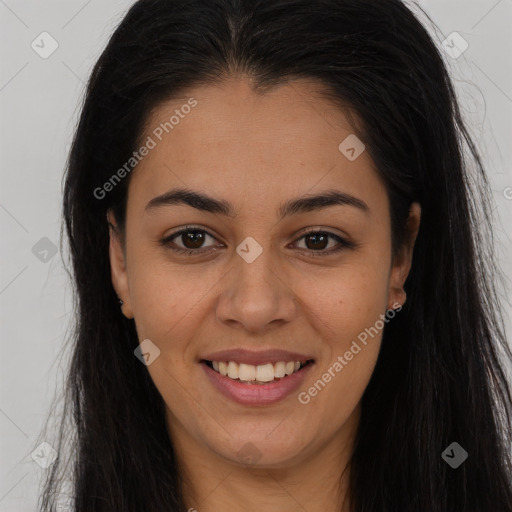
<point>303,204</point>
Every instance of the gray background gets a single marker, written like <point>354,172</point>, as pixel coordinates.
<point>39,105</point>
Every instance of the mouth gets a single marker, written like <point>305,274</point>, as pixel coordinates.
<point>257,385</point>
<point>257,374</point>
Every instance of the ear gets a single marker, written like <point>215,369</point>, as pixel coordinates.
<point>403,260</point>
<point>118,266</point>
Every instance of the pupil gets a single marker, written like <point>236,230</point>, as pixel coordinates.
<point>196,237</point>
<point>316,237</point>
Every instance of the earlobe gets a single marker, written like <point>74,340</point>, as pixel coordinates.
<point>403,262</point>
<point>118,270</point>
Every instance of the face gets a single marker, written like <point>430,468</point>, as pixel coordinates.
<point>260,267</point>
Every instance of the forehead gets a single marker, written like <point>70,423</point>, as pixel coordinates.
<point>237,142</point>
<point>232,111</point>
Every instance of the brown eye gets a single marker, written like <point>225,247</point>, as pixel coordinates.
<point>192,239</point>
<point>316,243</point>
<point>188,239</point>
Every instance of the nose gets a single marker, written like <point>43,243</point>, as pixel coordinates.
<point>255,295</point>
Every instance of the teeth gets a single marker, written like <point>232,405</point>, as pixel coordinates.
<point>279,370</point>
<point>261,373</point>
<point>245,371</point>
<point>223,368</point>
<point>265,373</point>
<point>232,370</point>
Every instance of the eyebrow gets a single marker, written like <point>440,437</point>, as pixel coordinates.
<point>303,204</point>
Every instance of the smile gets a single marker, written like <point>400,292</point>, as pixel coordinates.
<point>256,374</point>
<point>256,385</point>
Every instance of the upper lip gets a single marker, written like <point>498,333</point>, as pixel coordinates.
<point>240,355</point>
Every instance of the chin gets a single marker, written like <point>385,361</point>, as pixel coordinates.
<point>261,449</point>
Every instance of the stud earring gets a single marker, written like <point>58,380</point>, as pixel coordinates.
<point>121,302</point>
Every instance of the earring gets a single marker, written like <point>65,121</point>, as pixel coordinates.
<point>121,302</point>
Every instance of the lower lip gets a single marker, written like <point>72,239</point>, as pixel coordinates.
<point>257,394</point>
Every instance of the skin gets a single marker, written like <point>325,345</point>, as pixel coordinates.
<point>256,152</point>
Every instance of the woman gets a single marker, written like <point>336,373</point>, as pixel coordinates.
<point>285,301</point>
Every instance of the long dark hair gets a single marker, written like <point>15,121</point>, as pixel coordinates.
<point>438,379</point>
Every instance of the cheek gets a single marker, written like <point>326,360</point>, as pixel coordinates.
<point>345,300</point>
<point>348,307</point>
<point>167,299</point>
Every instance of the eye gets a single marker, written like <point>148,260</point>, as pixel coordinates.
<point>317,241</point>
<point>191,238</point>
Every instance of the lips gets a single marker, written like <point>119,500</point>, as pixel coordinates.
<point>255,393</point>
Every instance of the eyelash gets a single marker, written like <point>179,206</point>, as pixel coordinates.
<point>343,243</point>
